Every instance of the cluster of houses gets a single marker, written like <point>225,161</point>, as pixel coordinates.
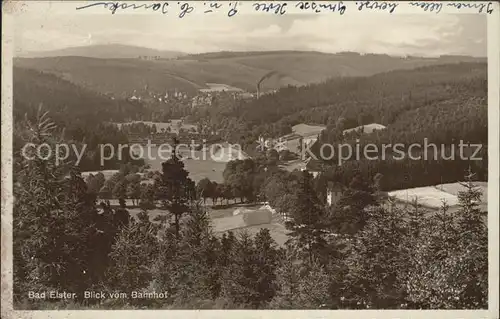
<point>205,96</point>
<point>202,100</point>
<point>150,97</point>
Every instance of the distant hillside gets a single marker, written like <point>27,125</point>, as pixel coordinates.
<point>239,54</point>
<point>442,105</point>
<point>81,113</point>
<point>242,70</point>
<point>377,99</point>
<point>105,51</point>
<point>65,101</point>
<point>416,104</point>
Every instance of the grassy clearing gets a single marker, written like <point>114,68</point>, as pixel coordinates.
<point>197,168</point>
<point>433,196</point>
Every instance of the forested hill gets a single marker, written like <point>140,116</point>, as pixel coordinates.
<point>238,69</point>
<point>81,113</point>
<point>388,98</point>
<point>381,95</point>
<point>66,101</point>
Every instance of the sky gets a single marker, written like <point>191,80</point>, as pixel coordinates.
<point>45,26</point>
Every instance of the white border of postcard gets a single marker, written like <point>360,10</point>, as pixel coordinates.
<point>12,8</point>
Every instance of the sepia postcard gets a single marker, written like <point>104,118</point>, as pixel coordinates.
<point>316,159</point>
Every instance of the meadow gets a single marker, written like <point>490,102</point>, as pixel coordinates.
<point>433,196</point>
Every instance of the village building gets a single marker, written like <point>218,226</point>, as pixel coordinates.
<point>365,129</point>
<point>201,100</point>
<point>333,193</point>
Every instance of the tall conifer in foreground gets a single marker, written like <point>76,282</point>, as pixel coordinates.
<point>174,187</point>
<point>307,222</point>
<point>54,218</point>
<point>451,271</point>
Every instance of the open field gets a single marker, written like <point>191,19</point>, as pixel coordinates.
<point>432,196</point>
<point>202,164</point>
<point>198,169</point>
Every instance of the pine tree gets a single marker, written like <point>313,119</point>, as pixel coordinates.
<point>228,243</point>
<point>375,260</point>
<point>80,228</point>
<point>287,281</point>
<point>198,278</point>
<point>239,280</point>
<point>135,248</point>
<point>120,190</point>
<point>166,266</point>
<point>416,219</point>
<point>53,220</point>
<point>442,232</point>
<point>134,191</point>
<point>451,263</point>
<point>348,216</point>
<point>471,219</point>
<point>314,288</point>
<point>147,197</point>
<point>301,286</point>
<point>267,259</point>
<point>473,243</point>
<point>203,188</point>
<point>174,187</point>
<point>307,223</point>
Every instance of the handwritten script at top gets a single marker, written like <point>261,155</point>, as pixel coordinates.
<point>181,9</point>
<point>279,8</point>
<point>436,6</point>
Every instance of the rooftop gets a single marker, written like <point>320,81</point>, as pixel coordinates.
<point>368,128</point>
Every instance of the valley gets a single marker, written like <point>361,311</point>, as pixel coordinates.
<point>248,190</point>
